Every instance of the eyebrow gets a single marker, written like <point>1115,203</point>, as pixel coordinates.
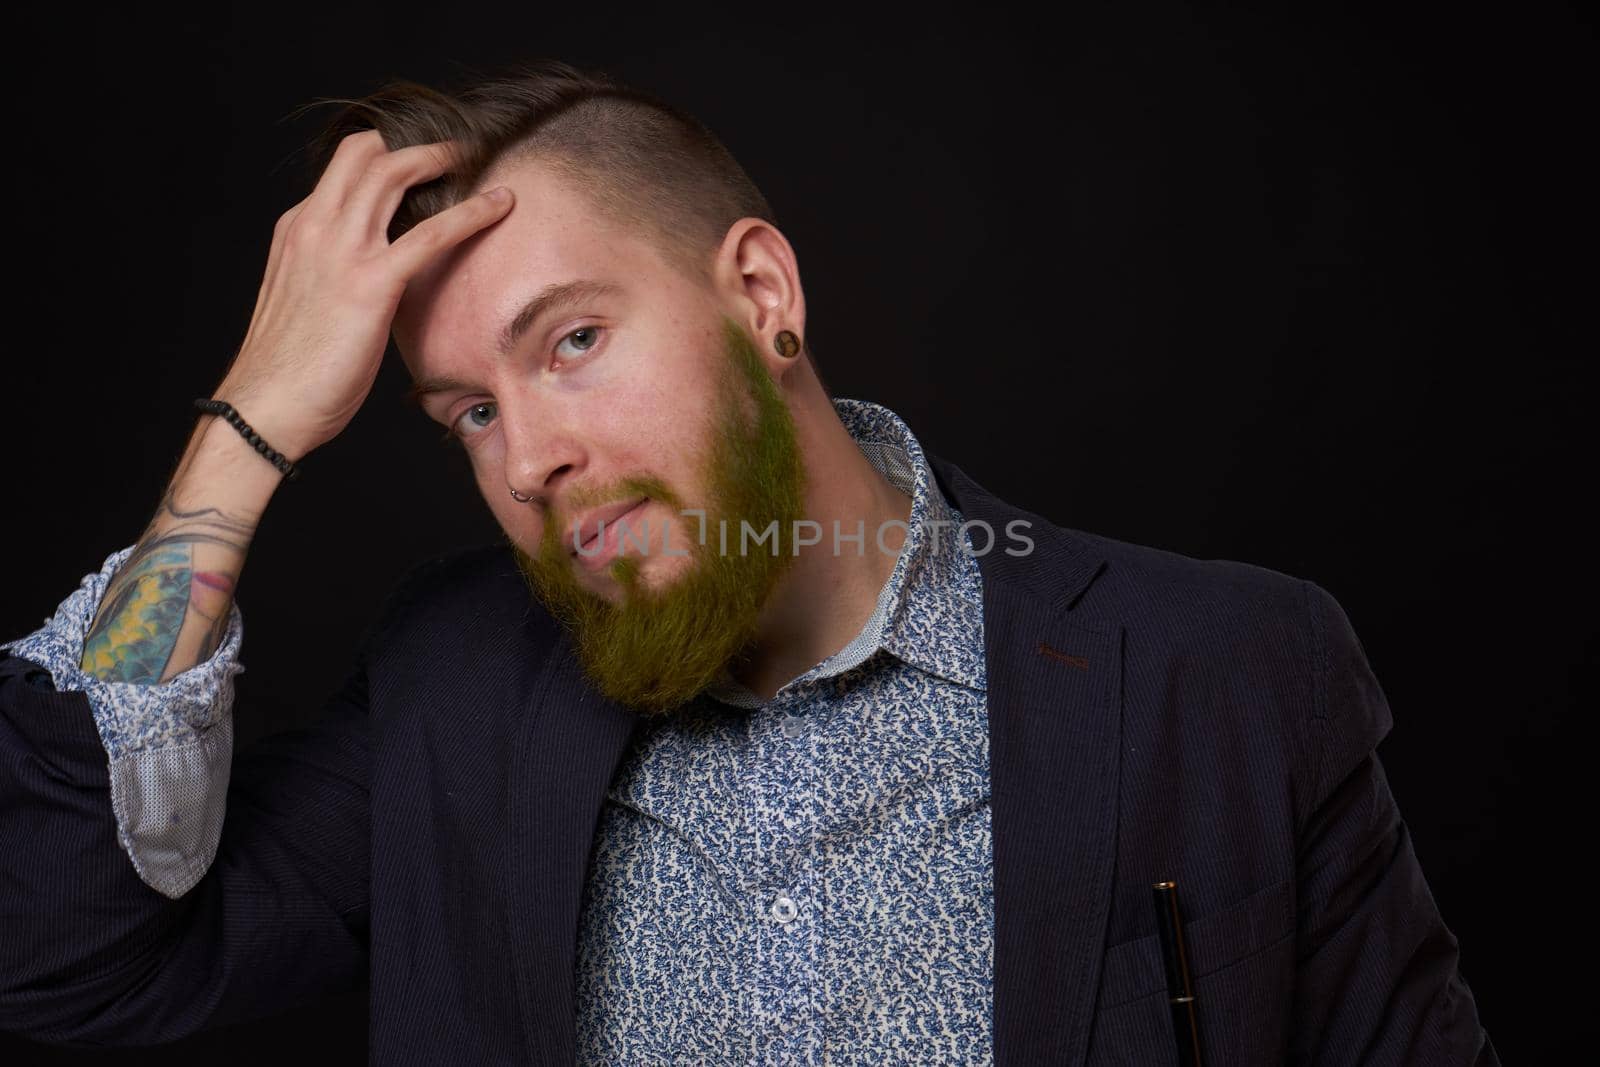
<point>558,296</point>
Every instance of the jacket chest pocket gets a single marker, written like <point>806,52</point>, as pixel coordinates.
<point>1241,957</point>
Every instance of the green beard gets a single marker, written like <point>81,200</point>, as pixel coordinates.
<point>659,648</point>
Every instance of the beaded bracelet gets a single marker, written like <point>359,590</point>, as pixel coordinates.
<point>278,459</point>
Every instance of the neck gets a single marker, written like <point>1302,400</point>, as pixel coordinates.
<point>825,598</point>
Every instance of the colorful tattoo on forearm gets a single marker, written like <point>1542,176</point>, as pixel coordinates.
<point>145,606</point>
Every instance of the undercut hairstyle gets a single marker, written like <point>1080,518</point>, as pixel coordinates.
<point>643,163</point>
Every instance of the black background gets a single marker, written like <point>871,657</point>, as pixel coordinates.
<point>1299,290</point>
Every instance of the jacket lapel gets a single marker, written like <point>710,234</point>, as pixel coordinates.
<point>571,741</point>
<point>1055,722</point>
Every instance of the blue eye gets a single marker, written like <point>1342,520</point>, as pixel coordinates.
<point>468,418</point>
<point>477,417</point>
<point>592,333</point>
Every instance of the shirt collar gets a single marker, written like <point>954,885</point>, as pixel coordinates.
<point>929,613</point>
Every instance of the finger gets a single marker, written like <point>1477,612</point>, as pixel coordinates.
<point>350,160</point>
<point>418,246</point>
<point>371,204</point>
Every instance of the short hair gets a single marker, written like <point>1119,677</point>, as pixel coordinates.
<point>642,162</point>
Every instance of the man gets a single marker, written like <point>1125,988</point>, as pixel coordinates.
<point>803,747</point>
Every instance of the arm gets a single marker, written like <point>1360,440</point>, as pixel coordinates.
<point>156,665</point>
<point>94,950</point>
<point>116,744</point>
<point>168,606</point>
<point>92,955</point>
<point>1379,979</point>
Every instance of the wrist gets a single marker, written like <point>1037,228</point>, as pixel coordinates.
<point>218,454</point>
<point>225,411</point>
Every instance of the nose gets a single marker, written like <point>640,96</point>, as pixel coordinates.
<point>542,451</point>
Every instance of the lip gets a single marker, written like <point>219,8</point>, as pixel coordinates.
<point>594,557</point>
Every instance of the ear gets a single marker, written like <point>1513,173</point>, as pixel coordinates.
<point>758,278</point>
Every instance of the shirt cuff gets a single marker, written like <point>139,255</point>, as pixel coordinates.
<point>169,746</point>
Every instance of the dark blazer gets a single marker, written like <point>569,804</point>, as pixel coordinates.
<point>1151,717</point>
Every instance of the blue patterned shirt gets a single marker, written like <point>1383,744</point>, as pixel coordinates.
<point>805,880</point>
<point>809,880</point>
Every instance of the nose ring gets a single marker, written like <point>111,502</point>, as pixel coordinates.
<point>520,499</point>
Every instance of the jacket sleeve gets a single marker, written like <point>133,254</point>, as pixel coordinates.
<point>168,746</point>
<point>1378,977</point>
<point>92,955</point>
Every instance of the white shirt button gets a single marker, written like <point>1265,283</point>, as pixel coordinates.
<point>793,725</point>
<point>784,909</point>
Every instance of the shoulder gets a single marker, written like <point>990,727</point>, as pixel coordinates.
<point>1226,632</point>
<point>459,595</point>
<point>1104,582</point>
<point>1196,600</point>
<point>1286,621</point>
<point>473,568</point>
<point>1274,653</point>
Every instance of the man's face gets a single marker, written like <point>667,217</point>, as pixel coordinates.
<point>646,392</point>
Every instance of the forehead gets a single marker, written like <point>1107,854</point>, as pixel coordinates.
<point>552,234</point>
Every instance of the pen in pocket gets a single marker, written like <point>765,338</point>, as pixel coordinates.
<point>1180,983</point>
